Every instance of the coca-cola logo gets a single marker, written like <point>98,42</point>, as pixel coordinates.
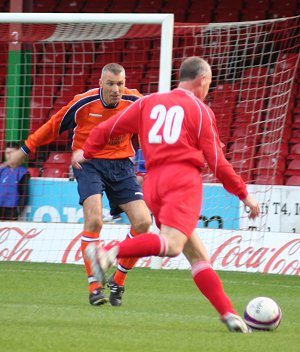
<point>233,253</point>
<point>19,250</point>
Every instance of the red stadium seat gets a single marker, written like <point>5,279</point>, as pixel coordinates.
<point>63,158</point>
<point>257,4</point>
<point>271,149</point>
<point>266,165</point>
<point>118,6</point>
<point>34,171</point>
<point>296,120</point>
<point>230,5</point>
<point>239,147</point>
<point>58,172</point>
<point>149,6</point>
<point>72,6</point>
<point>43,6</point>
<point>293,181</point>
<point>295,136</point>
<point>96,6</point>
<point>269,179</point>
<point>293,168</point>
<point>294,152</point>
<point>226,16</point>
<point>204,16</point>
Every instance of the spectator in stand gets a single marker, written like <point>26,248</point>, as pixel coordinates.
<point>14,188</point>
<point>110,171</point>
<point>176,130</point>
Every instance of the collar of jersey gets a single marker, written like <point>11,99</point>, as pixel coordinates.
<point>107,106</point>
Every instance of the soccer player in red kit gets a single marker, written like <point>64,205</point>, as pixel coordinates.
<point>177,131</point>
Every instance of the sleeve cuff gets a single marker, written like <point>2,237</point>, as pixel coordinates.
<point>25,149</point>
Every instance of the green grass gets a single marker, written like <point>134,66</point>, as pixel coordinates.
<point>44,307</point>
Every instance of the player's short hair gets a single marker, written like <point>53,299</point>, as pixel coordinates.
<point>112,67</point>
<point>12,144</point>
<point>192,67</point>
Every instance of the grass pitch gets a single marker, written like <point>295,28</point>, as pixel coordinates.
<point>44,307</point>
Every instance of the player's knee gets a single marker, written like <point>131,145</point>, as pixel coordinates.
<point>174,248</point>
<point>94,223</point>
<point>142,225</point>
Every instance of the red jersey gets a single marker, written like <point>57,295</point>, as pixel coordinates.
<point>174,127</point>
<point>84,112</point>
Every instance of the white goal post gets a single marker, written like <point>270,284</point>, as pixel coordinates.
<point>165,20</point>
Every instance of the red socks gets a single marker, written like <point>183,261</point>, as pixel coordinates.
<point>209,283</point>
<point>143,245</point>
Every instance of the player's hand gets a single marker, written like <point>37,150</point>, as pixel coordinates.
<point>77,158</point>
<point>16,158</point>
<point>252,203</point>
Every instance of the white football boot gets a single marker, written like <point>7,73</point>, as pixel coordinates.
<point>101,260</point>
<point>235,323</point>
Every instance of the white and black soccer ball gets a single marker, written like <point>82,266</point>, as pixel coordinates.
<point>262,313</point>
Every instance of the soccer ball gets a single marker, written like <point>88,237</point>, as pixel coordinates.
<point>262,313</point>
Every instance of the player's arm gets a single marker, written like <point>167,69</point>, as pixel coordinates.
<point>124,122</point>
<point>44,135</point>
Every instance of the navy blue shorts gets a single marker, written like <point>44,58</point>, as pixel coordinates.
<point>114,177</point>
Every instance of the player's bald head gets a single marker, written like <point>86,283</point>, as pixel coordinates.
<point>192,67</point>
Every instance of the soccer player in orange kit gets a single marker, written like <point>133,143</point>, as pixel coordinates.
<point>111,170</point>
<point>176,131</point>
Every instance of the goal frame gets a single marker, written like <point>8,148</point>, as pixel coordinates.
<point>166,21</point>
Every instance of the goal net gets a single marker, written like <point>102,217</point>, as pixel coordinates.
<point>254,64</point>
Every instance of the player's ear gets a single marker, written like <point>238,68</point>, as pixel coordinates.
<point>100,82</point>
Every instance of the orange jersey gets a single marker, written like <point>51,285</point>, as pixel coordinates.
<point>81,115</point>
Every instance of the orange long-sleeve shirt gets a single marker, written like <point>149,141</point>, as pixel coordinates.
<point>83,113</point>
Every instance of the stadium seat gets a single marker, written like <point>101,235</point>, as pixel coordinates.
<point>63,158</point>
<point>95,6</point>
<point>256,5</point>
<point>267,165</point>
<point>72,6</point>
<point>296,120</point>
<point>239,147</point>
<point>149,6</point>
<point>293,168</point>
<point>284,62</point>
<point>293,181</point>
<point>226,16</point>
<point>295,136</point>
<point>34,171</point>
<point>58,172</point>
<point>276,179</point>
<point>204,16</point>
<point>271,149</point>
<point>119,7</point>
<point>54,53</point>
<point>43,6</point>
<point>294,152</point>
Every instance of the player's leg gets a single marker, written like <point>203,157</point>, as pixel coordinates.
<point>92,210</point>
<point>90,192</point>
<point>125,194</point>
<point>169,243</point>
<point>139,217</point>
<point>209,283</point>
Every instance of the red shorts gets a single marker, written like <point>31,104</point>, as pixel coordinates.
<point>174,195</point>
